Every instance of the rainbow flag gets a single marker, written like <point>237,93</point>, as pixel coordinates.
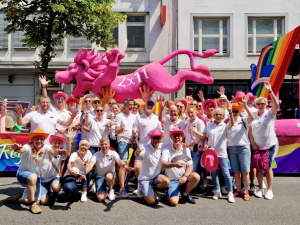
<point>273,63</point>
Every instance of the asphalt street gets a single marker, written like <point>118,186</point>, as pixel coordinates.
<point>283,209</point>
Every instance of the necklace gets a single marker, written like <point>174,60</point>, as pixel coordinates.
<point>37,156</point>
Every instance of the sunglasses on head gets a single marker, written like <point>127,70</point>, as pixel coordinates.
<point>156,138</point>
<point>235,111</point>
<point>262,104</point>
<point>99,110</point>
<point>176,135</point>
<point>87,101</point>
<point>60,99</point>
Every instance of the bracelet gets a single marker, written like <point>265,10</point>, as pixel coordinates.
<point>270,91</point>
<point>230,112</point>
<point>44,86</point>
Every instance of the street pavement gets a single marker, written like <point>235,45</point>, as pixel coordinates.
<point>283,209</point>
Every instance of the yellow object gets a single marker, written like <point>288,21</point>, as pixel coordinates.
<point>130,152</point>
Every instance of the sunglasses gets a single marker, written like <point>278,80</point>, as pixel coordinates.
<point>262,104</point>
<point>198,106</point>
<point>176,135</point>
<point>179,106</point>
<point>99,110</point>
<point>87,101</point>
<point>235,111</point>
<point>156,138</point>
<point>96,103</point>
<point>60,99</point>
<point>110,103</point>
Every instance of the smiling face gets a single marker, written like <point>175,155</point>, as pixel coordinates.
<point>99,112</point>
<point>104,145</point>
<point>45,104</point>
<point>56,143</point>
<point>38,142</point>
<point>72,105</point>
<point>191,114</point>
<point>173,111</point>
<point>209,107</point>
<point>177,138</point>
<point>219,115</point>
<point>115,109</point>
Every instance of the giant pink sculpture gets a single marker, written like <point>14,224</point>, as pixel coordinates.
<point>93,71</point>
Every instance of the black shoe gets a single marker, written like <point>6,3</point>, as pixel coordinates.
<point>157,197</point>
<point>200,192</point>
<point>187,198</point>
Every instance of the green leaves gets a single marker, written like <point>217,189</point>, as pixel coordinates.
<point>47,23</point>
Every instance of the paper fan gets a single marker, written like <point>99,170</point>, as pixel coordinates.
<point>181,158</point>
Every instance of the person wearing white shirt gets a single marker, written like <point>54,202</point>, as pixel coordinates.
<point>29,173</point>
<point>262,136</point>
<point>150,176</point>
<point>238,146</point>
<point>217,140</point>
<point>124,125</point>
<point>180,174</point>
<point>105,161</point>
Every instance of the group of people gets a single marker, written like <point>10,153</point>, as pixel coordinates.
<point>85,145</point>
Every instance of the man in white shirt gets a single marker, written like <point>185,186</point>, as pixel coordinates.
<point>124,126</point>
<point>150,176</point>
<point>183,180</point>
<point>43,118</point>
<point>105,161</point>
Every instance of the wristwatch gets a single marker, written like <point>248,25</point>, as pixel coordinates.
<point>186,175</point>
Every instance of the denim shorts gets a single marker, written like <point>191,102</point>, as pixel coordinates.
<point>240,158</point>
<point>146,186</point>
<point>271,154</point>
<point>101,184</point>
<point>45,187</point>
<point>123,148</point>
<point>23,178</point>
<point>175,189</point>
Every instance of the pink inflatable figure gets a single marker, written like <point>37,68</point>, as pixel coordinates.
<point>95,71</point>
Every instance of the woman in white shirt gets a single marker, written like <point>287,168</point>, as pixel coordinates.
<point>216,139</point>
<point>239,145</point>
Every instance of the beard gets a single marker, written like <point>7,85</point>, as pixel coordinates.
<point>148,110</point>
<point>173,117</point>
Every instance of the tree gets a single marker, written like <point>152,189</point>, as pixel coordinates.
<point>47,23</point>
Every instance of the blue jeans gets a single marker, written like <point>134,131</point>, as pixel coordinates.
<point>70,185</point>
<point>123,149</point>
<point>196,157</point>
<point>240,158</point>
<point>223,164</point>
<point>23,178</point>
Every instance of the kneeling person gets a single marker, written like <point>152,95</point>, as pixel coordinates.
<point>150,176</point>
<point>105,168</point>
<point>181,175</point>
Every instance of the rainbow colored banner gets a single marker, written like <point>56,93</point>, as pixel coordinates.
<point>273,63</point>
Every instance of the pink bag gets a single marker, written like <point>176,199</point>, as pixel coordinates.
<point>260,159</point>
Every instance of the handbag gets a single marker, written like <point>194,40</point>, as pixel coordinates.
<point>260,159</point>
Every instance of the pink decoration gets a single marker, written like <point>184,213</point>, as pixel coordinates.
<point>95,71</point>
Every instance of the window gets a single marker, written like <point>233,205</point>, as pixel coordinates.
<point>136,32</point>
<point>76,43</point>
<point>211,34</point>
<point>115,33</point>
<point>263,31</point>
<point>3,34</point>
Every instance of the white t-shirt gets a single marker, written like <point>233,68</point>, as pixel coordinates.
<point>46,121</point>
<point>28,163</point>
<point>263,129</point>
<point>106,113</point>
<point>48,172</point>
<point>144,125</point>
<point>127,122</point>
<point>169,125</point>
<point>105,163</point>
<point>98,130</point>
<point>65,114</point>
<point>191,136</point>
<point>75,156</point>
<point>238,134</point>
<point>217,139</point>
<point>169,153</point>
<point>151,165</point>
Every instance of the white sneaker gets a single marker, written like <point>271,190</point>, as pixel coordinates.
<point>252,189</point>
<point>111,195</point>
<point>123,193</point>
<point>224,190</point>
<point>233,184</point>
<point>138,193</point>
<point>269,195</point>
<point>230,197</point>
<point>259,193</point>
<point>93,189</point>
<point>83,196</point>
<point>264,185</point>
<point>217,195</point>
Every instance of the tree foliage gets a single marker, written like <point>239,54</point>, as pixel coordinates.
<point>47,23</point>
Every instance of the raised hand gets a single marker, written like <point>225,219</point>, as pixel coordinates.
<point>267,85</point>
<point>107,94</point>
<point>221,90</point>
<point>189,99</point>
<point>4,108</point>
<point>244,101</point>
<point>69,133</point>
<point>201,95</point>
<point>161,100</point>
<point>43,80</point>
<point>229,106</point>
<point>146,92</point>
<point>20,110</point>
